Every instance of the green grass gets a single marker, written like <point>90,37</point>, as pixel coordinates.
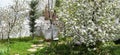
<point>3,49</point>
<point>19,48</point>
<point>61,47</point>
<point>21,45</point>
<point>17,45</point>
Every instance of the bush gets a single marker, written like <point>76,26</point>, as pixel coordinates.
<point>35,41</point>
<point>117,41</point>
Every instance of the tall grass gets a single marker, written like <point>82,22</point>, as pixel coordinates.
<point>3,49</point>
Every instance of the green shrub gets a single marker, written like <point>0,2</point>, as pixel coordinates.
<point>35,41</point>
<point>114,50</point>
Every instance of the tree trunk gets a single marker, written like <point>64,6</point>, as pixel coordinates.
<point>51,29</point>
<point>8,36</point>
<point>9,31</point>
<point>64,30</point>
<point>2,36</point>
<point>32,35</point>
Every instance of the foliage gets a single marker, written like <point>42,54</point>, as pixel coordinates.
<point>115,50</point>
<point>58,3</point>
<point>69,49</point>
<point>91,21</point>
<point>33,15</point>
<point>12,18</point>
<point>35,42</point>
<point>117,41</point>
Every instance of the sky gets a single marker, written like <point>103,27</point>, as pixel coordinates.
<point>4,3</point>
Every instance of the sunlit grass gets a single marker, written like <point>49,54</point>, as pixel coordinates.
<point>21,45</point>
<point>19,48</point>
<point>17,45</point>
<point>3,49</point>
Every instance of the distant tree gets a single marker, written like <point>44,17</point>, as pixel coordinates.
<point>33,14</point>
<point>12,16</point>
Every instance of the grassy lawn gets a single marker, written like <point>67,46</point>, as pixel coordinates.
<point>21,45</point>
<point>3,49</point>
<point>17,46</point>
<point>61,47</point>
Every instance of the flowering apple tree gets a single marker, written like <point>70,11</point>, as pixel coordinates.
<point>90,21</point>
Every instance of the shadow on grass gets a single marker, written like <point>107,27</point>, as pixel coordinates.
<point>62,49</point>
<point>26,39</point>
<point>69,49</point>
<point>115,50</point>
